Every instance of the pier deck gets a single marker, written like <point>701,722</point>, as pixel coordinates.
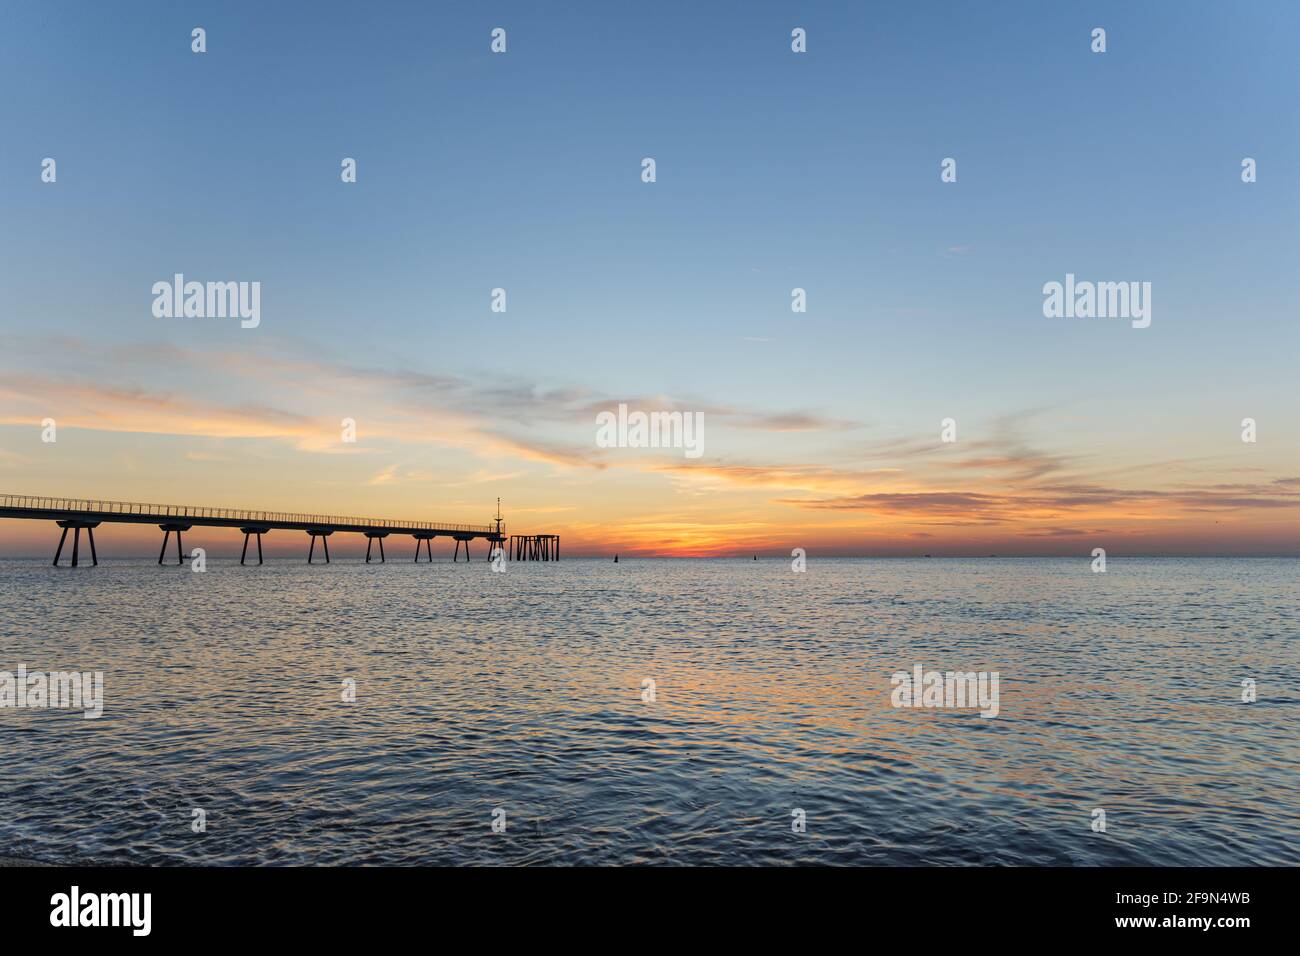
<point>78,514</point>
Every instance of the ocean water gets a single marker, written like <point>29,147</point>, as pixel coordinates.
<point>522,691</point>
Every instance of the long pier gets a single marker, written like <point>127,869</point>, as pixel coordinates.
<point>85,514</point>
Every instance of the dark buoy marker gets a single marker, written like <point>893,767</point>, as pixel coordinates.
<point>616,559</point>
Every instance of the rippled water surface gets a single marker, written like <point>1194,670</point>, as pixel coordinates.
<point>522,691</point>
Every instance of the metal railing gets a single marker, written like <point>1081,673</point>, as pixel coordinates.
<point>94,506</point>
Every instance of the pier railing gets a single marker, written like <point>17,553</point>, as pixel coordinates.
<point>92,506</point>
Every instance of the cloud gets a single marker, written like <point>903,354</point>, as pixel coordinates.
<point>792,422</point>
<point>400,474</point>
<point>1004,474</point>
<point>301,397</point>
<point>1052,499</point>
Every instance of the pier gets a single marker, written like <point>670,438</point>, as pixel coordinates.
<point>85,514</point>
<point>534,547</point>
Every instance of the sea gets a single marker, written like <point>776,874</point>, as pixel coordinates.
<point>656,712</point>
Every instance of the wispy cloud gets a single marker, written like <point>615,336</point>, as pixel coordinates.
<point>792,467</point>
<point>304,397</point>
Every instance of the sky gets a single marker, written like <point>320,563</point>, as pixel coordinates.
<point>775,170</point>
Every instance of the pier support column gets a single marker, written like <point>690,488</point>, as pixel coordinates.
<point>76,528</point>
<point>461,539</point>
<point>371,537</point>
<point>167,530</point>
<point>422,540</point>
<point>253,531</point>
<point>324,535</point>
<point>534,547</point>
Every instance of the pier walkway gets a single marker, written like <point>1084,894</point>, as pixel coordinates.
<point>86,514</point>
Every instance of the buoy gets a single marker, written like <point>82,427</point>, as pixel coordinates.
<point>616,559</point>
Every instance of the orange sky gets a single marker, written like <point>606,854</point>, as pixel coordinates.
<point>1038,481</point>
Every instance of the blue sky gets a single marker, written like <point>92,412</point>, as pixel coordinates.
<point>775,170</point>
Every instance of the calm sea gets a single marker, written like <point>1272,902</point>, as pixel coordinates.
<point>522,691</point>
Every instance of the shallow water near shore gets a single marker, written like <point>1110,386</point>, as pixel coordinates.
<point>523,691</point>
